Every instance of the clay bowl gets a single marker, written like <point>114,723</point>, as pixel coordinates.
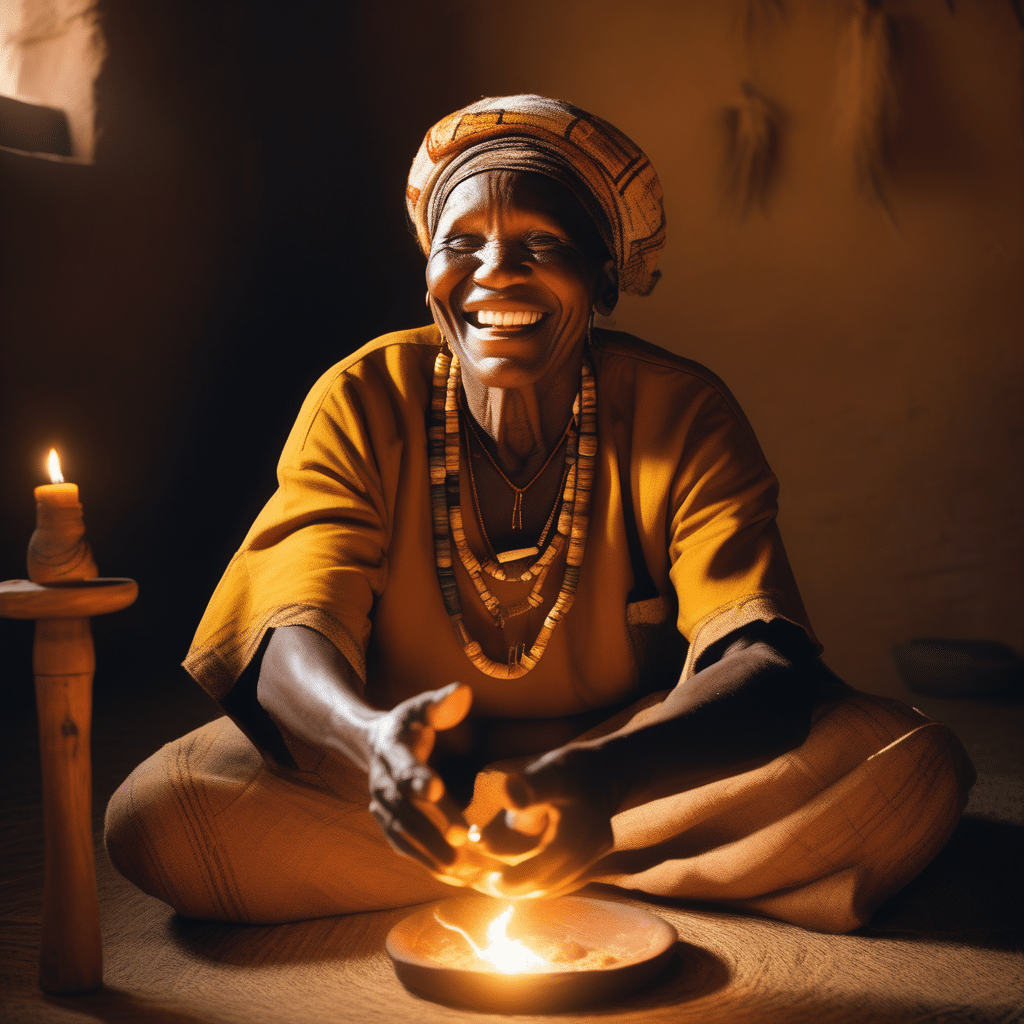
<point>599,950</point>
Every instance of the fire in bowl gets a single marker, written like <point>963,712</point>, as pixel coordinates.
<point>531,956</point>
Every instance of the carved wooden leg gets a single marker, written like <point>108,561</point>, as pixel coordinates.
<point>71,957</point>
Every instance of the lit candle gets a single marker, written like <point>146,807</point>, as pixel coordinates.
<point>58,549</point>
<point>56,494</point>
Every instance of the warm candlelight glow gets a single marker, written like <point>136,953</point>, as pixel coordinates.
<point>53,463</point>
<point>509,956</point>
<point>57,493</point>
<point>57,549</point>
<point>573,950</point>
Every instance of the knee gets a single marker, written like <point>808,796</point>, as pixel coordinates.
<point>154,842</point>
<point>922,789</point>
<point>130,830</point>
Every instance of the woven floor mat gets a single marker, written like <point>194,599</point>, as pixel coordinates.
<point>947,949</point>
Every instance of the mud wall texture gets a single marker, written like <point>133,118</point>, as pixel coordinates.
<point>845,194</point>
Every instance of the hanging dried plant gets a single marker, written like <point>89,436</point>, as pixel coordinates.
<point>867,94</point>
<point>753,125</point>
<point>760,15</point>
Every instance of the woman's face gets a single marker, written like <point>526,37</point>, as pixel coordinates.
<point>513,272</point>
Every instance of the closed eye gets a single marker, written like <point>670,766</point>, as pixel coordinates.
<point>546,240</point>
<point>464,243</point>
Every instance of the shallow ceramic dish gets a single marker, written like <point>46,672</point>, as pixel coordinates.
<point>597,950</point>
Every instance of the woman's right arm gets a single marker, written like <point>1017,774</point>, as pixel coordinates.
<point>312,694</point>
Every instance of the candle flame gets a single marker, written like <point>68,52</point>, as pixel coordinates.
<point>509,956</point>
<point>53,462</point>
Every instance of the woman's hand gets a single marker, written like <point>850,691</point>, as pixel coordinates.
<point>557,825</point>
<point>748,702</point>
<point>312,694</point>
<point>408,798</point>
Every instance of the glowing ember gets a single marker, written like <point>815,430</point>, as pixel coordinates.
<point>509,956</point>
<point>53,464</point>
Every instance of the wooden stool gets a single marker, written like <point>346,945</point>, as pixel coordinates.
<point>71,957</point>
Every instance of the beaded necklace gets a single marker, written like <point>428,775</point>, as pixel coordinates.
<point>446,511</point>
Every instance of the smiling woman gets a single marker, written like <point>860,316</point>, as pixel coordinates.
<point>513,275</point>
<point>514,272</point>
<point>579,528</point>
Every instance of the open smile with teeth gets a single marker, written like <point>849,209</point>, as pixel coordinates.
<point>499,318</point>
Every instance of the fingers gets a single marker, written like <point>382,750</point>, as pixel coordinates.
<point>447,819</point>
<point>410,773</point>
<point>502,839</point>
<point>413,808</point>
<point>420,717</point>
<point>421,824</point>
<point>419,738</point>
<point>542,783</point>
<point>402,842</point>
<point>532,821</point>
<point>549,871</point>
<point>409,800</point>
<point>519,793</point>
<point>449,706</point>
<point>529,813</point>
<point>575,837</point>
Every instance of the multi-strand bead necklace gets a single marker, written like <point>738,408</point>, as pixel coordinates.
<point>573,513</point>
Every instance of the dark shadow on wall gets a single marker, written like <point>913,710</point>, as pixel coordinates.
<point>164,311</point>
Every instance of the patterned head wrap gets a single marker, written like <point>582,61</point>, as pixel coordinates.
<point>611,177</point>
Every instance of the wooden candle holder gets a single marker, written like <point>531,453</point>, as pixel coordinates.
<point>70,958</point>
<point>61,598</point>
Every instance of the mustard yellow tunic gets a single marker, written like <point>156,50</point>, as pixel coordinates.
<point>682,532</point>
<point>682,544</point>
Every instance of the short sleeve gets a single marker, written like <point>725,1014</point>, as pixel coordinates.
<point>728,563</point>
<point>316,554</point>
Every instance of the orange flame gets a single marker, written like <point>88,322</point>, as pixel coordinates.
<point>53,463</point>
<point>509,956</point>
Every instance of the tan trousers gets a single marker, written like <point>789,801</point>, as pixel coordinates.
<point>818,837</point>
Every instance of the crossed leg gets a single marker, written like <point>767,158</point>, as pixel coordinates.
<point>819,836</point>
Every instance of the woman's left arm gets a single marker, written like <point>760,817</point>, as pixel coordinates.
<point>749,701</point>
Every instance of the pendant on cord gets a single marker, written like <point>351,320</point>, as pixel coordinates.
<point>517,510</point>
<point>515,655</point>
<point>517,506</point>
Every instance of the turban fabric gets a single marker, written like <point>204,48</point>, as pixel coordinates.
<point>609,174</point>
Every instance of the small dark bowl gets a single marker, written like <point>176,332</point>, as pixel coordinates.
<point>959,668</point>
